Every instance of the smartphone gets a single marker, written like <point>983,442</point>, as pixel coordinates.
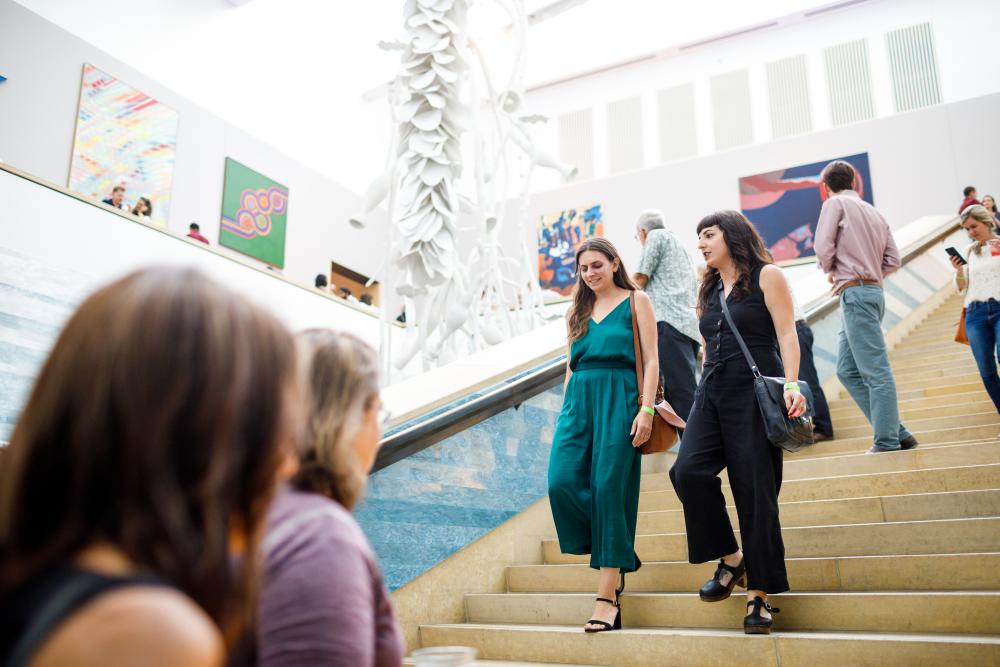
<point>954,253</point>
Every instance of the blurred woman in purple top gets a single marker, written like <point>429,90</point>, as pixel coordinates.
<point>323,600</point>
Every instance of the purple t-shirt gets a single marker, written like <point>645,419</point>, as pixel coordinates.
<point>323,601</point>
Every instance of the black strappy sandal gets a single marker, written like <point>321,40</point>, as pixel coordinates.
<point>713,591</point>
<point>754,623</point>
<point>617,625</point>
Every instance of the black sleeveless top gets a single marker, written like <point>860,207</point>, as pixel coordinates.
<point>752,318</point>
<point>33,610</point>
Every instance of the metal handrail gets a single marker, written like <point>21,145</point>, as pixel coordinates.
<point>421,433</point>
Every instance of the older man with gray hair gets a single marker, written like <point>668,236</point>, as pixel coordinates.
<point>667,275</point>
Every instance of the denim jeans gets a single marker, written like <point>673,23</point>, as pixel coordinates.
<point>982,327</point>
<point>863,363</point>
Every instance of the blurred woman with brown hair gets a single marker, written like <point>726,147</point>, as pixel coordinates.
<point>324,601</point>
<point>594,464</point>
<point>142,464</point>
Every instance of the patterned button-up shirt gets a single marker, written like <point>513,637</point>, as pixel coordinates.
<point>672,286</point>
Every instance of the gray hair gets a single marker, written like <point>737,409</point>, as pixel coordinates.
<point>650,219</point>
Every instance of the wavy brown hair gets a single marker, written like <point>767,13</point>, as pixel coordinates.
<point>155,426</point>
<point>746,248</point>
<point>583,296</point>
<point>343,381</point>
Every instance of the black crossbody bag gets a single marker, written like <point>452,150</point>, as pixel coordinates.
<point>789,434</point>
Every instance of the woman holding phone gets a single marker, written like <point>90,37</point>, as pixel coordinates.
<point>979,281</point>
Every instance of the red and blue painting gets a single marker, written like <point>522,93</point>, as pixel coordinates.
<point>784,205</point>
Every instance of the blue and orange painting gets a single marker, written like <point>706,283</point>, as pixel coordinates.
<point>559,236</point>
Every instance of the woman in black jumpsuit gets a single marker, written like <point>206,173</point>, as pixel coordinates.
<point>725,429</point>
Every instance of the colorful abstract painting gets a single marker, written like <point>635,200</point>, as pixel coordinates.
<point>123,137</point>
<point>559,236</point>
<point>254,214</point>
<point>784,205</point>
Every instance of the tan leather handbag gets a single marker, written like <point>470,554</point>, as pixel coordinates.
<point>960,336</point>
<point>665,421</point>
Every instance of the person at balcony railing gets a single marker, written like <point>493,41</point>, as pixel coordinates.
<point>990,204</point>
<point>594,463</point>
<point>969,198</point>
<point>131,494</point>
<point>194,232</point>
<point>117,198</point>
<point>666,273</point>
<point>725,428</point>
<point>979,281</point>
<point>854,245</point>
<point>143,208</point>
<point>324,601</point>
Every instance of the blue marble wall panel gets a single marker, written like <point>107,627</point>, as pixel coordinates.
<point>36,299</point>
<point>420,510</point>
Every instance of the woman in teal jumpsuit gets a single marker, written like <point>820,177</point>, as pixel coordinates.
<point>594,465</point>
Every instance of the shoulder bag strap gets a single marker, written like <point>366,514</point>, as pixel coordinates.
<point>635,342</point>
<point>736,332</point>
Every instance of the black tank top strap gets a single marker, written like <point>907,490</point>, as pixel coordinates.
<point>54,596</point>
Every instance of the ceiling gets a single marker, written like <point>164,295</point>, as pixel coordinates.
<point>292,72</point>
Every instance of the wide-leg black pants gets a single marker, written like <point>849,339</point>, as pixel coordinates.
<point>725,430</point>
<point>807,372</point>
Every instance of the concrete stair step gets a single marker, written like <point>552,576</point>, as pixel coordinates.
<point>957,356</point>
<point>911,507</point>
<point>927,423</point>
<point>925,387</point>
<point>936,371</point>
<point>926,349</point>
<point>958,612</point>
<point>847,418</point>
<point>409,662</point>
<point>861,444</point>
<point>846,406</point>
<point>972,571</point>
<point>935,480</point>
<point>932,456</point>
<point>944,333</point>
<point>934,389</point>
<point>694,648</point>
<point>867,539</point>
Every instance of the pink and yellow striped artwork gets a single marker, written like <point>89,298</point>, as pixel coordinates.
<point>123,137</point>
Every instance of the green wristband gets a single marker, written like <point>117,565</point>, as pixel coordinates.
<point>792,386</point>
<point>648,410</point>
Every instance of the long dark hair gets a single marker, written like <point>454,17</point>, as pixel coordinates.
<point>155,425</point>
<point>583,296</point>
<point>746,248</point>
<point>149,207</point>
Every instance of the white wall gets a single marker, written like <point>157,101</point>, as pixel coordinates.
<point>919,163</point>
<point>64,232</point>
<point>967,56</point>
<point>38,108</point>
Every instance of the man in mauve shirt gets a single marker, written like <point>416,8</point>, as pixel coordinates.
<point>854,245</point>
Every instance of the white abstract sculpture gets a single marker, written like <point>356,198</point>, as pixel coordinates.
<point>488,297</point>
<point>430,122</point>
